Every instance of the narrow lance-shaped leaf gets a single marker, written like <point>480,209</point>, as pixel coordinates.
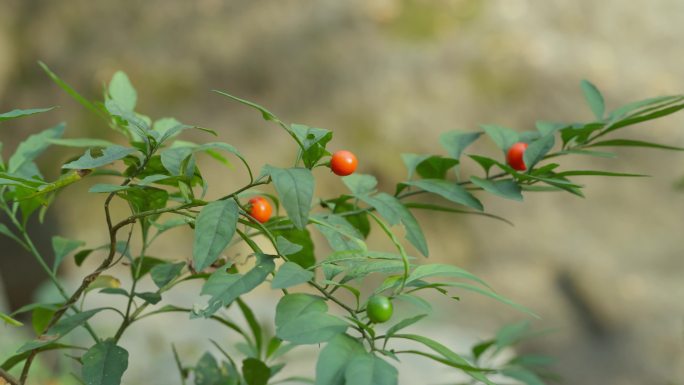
<point>109,155</point>
<point>15,114</point>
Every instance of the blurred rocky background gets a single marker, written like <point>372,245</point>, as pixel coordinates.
<point>388,76</point>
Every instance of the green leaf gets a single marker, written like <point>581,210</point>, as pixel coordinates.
<point>334,359</point>
<point>394,212</point>
<point>255,372</point>
<point>594,99</point>
<point>104,364</point>
<point>484,162</point>
<point>286,247</point>
<point>596,173</point>
<point>290,274</point>
<point>60,329</point>
<point>537,149</point>
<point>63,247</point>
<point>488,293</point>
<point>66,87</point>
<point>339,233</point>
<point>402,325</point>
<point>82,142</point>
<point>448,190</point>
<point>445,352</point>
<point>214,228</point>
<point>506,188</point>
<point>313,142</point>
<point>525,376</point>
<point>267,115</point>
<point>109,155</point>
<point>503,137</point>
<point>599,154</point>
<point>165,273</point>
<point>441,270</point>
<point>12,361</point>
<point>456,141</point>
<point>9,320</point>
<point>225,287</point>
<point>254,325</point>
<point>295,187</point>
<point>367,369</point>
<point>106,188</point>
<point>32,147</point>
<point>122,92</point>
<point>207,372</point>
<point>305,256</point>
<point>649,114</point>
<point>303,319</point>
<point>360,184</point>
<point>150,297</point>
<point>633,143</point>
<point>435,167</point>
<point>4,230</point>
<point>660,101</point>
<point>14,114</point>
<point>411,161</point>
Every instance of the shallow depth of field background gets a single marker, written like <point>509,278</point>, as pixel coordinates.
<point>388,76</point>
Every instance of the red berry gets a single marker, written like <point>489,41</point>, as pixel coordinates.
<point>514,158</point>
<point>343,163</point>
<point>260,209</point>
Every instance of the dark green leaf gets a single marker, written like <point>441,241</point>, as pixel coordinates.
<point>165,273</point>
<point>290,274</point>
<point>109,155</point>
<point>334,359</point>
<point>214,228</point>
<point>448,190</point>
<point>286,247</point>
<point>150,297</point>
<point>305,256</point>
<point>537,149</point>
<point>104,364</point>
<point>63,247</point>
<point>457,141</point>
<point>435,167</point>
<point>394,212</point>
<point>303,319</point>
<point>225,287</point>
<point>60,329</point>
<point>506,188</point>
<point>360,184</point>
<point>503,137</point>
<point>207,372</point>
<point>402,325</point>
<point>255,372</point>
<point>367,369</point>
<point>295,187</point>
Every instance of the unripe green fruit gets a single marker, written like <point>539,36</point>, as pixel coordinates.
<point>379,309</point>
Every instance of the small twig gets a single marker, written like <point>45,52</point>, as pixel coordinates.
<point>8,378</point>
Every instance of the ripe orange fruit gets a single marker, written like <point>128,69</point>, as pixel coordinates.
<point>343,163</point>
<point>260,209</point>
<point>514,158</point>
